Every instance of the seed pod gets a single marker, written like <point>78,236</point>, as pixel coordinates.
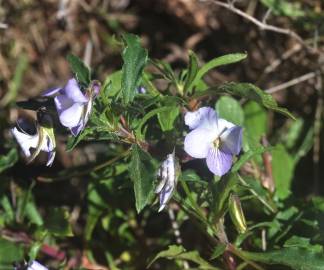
<point>236,213</point>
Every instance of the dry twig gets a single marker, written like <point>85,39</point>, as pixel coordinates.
<point>292,82</point>
<point>262,25</point>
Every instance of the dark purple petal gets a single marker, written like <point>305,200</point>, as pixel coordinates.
<point>198,141</point>
<point>205,117</point>
<point>231,140</point>
<point>51,92</point>
<point>70,114</point>
<point>218,162</point>
<point>73,91</point>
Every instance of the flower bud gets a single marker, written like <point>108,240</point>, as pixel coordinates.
<point>236,213</point>
<point>168,175</point>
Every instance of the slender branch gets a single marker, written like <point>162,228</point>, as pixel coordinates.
<point>263,25</point>
<point>292,82</point>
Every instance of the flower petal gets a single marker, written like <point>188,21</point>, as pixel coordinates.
<point>218,162</point>
<point>70,114</point>
<point>232,140</point>
<point>77,129</point>
<point>36,266</point>
<point>51,92</point>
<point>165,196</point>
<point>25,141</point>
<point>50,158</point>
<point>73,91</point>
<point>204,117</point>
<point>198,141</point>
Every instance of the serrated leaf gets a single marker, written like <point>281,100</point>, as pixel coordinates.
<point>230,109</point>
<point>80,70</point>
<point>135,58</point>
<point>179,253</point>
<point>296,258</point>
<point>249,91</point>
<point>143,169</point>
<point>8,160</point>
<point>216,62</point>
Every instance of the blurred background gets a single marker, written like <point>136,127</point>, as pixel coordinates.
<point>36,36</point>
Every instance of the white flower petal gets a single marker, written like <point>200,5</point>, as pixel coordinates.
<point>25,141</point>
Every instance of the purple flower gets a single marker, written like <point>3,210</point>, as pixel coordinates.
<point>43,140</point>
<point>73,106</point>
<point>212,138</point>
<point>168,174</point>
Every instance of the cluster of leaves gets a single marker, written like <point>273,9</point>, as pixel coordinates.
<point>139,130</point>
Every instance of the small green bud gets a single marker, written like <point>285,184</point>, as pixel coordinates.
<point>236,213</point>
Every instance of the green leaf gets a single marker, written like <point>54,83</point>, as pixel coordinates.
<point>8,160</point>
<point>284,7</point>
<point>218,251</point>
<point>192,71</point>
<point>80,70</point>
<point>282,169</point>
<point>167,117</point>
<point>135,58</point>
<point>216,62</point>
<point>57,222</point>
<point>142,170</point>
<point>255,122</point>
<point>230,109</point>
<point>10,252</point>
<point>221,191</point>
<point>296,258</point>
<point>179,253</point>
<point>33,215</point>
<point>112,84</point>
<point>149,115</point>
<point>249,91</point>
<point>302,242</point>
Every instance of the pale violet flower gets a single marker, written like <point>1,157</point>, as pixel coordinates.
<point>42,140</point>
<point>34,265</point>
<point>212,138</point>
<point>168,175</point>
<point>74,106</point>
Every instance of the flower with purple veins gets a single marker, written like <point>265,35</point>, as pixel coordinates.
<point>168,174</point>
<point>73,106</point>
<point>43,140</point>
<point>212,138</point>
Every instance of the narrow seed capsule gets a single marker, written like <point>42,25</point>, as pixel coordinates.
<point>236,213</point>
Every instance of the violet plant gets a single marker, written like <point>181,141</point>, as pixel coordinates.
<point>157,141</point>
